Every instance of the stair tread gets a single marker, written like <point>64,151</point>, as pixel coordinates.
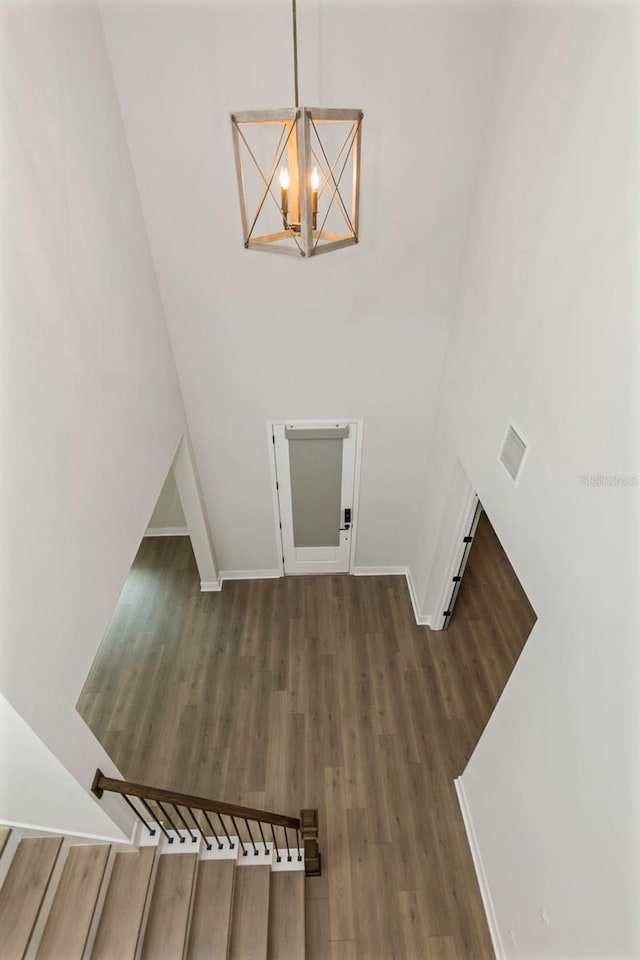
<point>286,916</point>
<point>5,833</point>
<point>23,892</point>
<point>211,920</point>
<point>69,920</point>
<point>123,908</point>
<point>168,922</point>
<point>250,914</point>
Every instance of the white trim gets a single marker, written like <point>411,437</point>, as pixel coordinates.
<point>185,844</point>
<point>192,503</point>
<point>143,836</point>
<point>35,831</point>
<point>215,586</point>
<point>483,883</point>
<point>276,485</point>
<point>285,865</point>
<point>210,586</point>
<point>461,557</point>
<point>249,575</point>
<point>467,511</point>
<point>166,532</point>
<point>226,852</point>
<point>422,619</point>
<point>273,471</point>
<point>247,858</point>
<point>356,493</point>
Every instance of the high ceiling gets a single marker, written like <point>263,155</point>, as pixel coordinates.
<point>357,333</point>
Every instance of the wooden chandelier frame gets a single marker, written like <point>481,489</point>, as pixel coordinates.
<point>301,141</point>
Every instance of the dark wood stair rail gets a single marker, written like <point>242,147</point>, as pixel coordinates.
<point>305,827</point>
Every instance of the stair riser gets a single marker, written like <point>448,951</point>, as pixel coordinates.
<point>242,852</point>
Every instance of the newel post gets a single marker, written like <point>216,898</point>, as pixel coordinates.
<point>309,830</point>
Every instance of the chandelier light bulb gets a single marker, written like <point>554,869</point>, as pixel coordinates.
<point>315,179</point>
<point>284,178</point>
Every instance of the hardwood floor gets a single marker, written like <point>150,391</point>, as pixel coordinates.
<point>322,692</point>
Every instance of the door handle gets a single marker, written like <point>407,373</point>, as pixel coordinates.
<point>347,518</point>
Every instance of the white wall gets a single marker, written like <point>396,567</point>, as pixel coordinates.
<point>27,768</point>
<point>168,510</point>
<point>360,333</point>
<point>93,413</point>
<point>196,521</point>
<point>547,334</point>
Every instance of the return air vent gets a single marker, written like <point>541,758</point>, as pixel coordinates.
<point>513,453</point>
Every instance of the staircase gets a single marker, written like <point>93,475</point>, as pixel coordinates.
<point>176,894</point>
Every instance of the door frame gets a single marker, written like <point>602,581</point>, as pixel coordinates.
<point>325,422</point>
<point>457,551</point>
<point>464,549</point>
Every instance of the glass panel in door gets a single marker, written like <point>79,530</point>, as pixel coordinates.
<point>316,490</point>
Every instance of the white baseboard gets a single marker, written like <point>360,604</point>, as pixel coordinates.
<point>249,574</point>
<point>485,892</point>
<point>166,532</point>
<point>422,619</point>
<point>214,586</point>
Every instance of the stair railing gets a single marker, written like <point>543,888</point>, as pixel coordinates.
<point>181,812</point>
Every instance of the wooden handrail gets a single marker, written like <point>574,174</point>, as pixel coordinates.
<point>305,826</point>
<point>129,789</point>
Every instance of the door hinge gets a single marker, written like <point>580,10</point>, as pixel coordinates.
<point>273,438</point>
<point>457,579</point>
<point>467,539</point>
<point>277,485</point>
<point>281,524</point>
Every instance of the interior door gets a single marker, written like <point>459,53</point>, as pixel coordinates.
<point>315,472</point>
<point>465,549</point>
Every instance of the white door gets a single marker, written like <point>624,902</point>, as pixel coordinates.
<point>315,473</point>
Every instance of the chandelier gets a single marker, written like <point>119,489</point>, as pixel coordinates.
<point>314,155</point>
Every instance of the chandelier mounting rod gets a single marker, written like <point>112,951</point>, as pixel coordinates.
<point>295,52</point>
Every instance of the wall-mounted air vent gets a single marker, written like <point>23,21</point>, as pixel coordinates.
<point>513,453</point>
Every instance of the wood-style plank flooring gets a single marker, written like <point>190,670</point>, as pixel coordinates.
<point>322,692</point>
